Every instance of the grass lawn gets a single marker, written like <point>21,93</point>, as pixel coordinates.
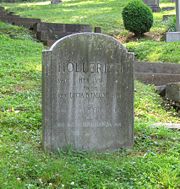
<point>103,13</point>
<point>107,15</point>
<point>153,51</point>
<point>153,162</point>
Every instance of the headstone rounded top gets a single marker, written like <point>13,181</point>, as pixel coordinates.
<point>87,94</point>
<point>87,37</point>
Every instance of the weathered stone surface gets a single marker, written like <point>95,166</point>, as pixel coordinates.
<point>55,1</point>
<point>168,8</point>
<point>173,92</point>
<point>97,30</point>
<point>50,43</point>
<point>87,94</point>
<point>157,78</point>
<point>175,36</point>
<point>172,36</point>
<point>154,4</point>
<point>17,20</point>
<point>161,90</point>
<point>165,68</point>
<point>157,73</point>
<point>54,31</point>
<point>57,27</point>
<point>178,16</point>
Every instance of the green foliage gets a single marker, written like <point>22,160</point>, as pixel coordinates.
<point>137,17</point>
<point>171,22</point>
<point>107,15</point>
<point>103,13</point>
<point>14,31</point>
<point>153,51</point>
<point>148,105</point>
<point>152,162</point>
<point>165,1</point>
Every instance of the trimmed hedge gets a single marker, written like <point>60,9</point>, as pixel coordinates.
<point>137,17</point>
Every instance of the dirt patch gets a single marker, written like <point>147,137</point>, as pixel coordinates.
<point>148,36</point>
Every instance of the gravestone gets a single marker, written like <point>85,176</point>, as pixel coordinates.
<point>55,1</point>
<point>87,94</point>
<point>154,4</point>
<point>178,15</point>
<point>175,36</point>
<point>173,91</point>
<point>10,1</point>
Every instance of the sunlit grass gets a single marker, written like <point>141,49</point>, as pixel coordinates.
<point>154,51</point>
<point>153,162</point>
<point>167,4</point>
<point>106,14</point>
<point>103,13</point>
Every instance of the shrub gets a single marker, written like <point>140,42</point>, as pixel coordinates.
<point>171,23</point>
<point>137,17</point>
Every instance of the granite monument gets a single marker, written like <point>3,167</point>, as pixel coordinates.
<point>87,94</point>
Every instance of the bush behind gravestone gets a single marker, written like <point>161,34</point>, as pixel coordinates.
<point>137,17</point>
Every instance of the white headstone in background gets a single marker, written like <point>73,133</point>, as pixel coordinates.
<point>177,15</point>
<point>175,36</point>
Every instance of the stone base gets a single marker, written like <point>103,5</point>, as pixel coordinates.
<point>153,4</point>
<point>157,78</point>
<point>173,92</point>
<point>172,36</point>
<point>56,1</point>
<point>155,8</point>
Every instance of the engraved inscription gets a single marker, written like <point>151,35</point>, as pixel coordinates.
<point>85,68</point>
<point>87,94</point>
<point>91,124</point>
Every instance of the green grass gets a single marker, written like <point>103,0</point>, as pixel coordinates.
<point>153,162</point>
<point>14,31</point>
<point>107,15</point>
<point>154,51</point>
<point>103,13</point>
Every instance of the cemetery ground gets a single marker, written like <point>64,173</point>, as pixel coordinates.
<point>153,162</point>
<point>107,15</point>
